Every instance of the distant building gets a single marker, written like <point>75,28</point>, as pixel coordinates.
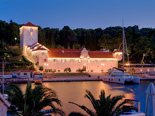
<point>4,104</point>
<point>59,59</point>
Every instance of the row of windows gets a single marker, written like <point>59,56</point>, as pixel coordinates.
<point>79,61</point>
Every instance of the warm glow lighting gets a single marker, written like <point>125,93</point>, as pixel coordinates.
<point>148,69</point>
<point>141,70</point>
<point>118,53</point>
<point>127,64</point>
<point>45,63</point>
<point>102,64</point>
<point>84,64</point>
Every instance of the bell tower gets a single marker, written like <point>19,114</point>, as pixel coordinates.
<point>28,35</point>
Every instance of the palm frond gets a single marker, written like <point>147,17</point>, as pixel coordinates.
<point>90,112</point>
<point>76,114</point>
<point>92,99</point>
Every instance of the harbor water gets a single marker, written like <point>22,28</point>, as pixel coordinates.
<point>75,91</point>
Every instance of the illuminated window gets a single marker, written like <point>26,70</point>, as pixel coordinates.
<point>31,31</point>
<point>79,61</point>
<point>63,60</point>
<point>71,60</point>
<point>88,61</point>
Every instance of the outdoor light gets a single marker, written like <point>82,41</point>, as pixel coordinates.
<point>127,64</point>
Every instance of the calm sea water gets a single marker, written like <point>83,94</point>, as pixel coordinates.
<point>75,91</point>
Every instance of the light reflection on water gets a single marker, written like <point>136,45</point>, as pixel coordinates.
<point>75,91</point>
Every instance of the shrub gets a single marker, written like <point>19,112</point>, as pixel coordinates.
<point>36,63</point>
<point>58,70</point>
<point>91,70</point>
<point>80,70</point>
<point>31,67</point>
<point>53,71</point>
<point>67,70</point>
<point>46,70</point>
<point>41,68</point>
<point>16,52</point>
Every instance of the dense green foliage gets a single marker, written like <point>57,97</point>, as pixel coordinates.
<point>140,41</point>
<point>104,106</point>
<point>34,100</point>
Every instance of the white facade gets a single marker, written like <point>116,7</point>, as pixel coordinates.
<point>59,59</point>
<point>91,65</point>
<point>28,35</point>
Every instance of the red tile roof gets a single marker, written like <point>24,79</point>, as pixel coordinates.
<point>37,46</point>
<point>30,24</point>
<point>40,48</point>
<point>64,53</point>
<point>100,54</point>
<point>75,53</point>
<point>32,44</point>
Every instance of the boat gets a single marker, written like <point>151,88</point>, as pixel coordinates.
<point>122,78</point>
<point>136,103</point>
<point>119,75</point>
<point>38,82</point>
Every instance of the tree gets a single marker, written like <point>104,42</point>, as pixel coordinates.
<point>52,39</point>
<point>105,106</point>
<point>106,43</point>
<point>67,36</point>
<point>144,46</point>
<point>34,100</point>
<point>41,68</point>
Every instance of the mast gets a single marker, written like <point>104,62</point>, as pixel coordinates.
<point>3,75</point>
<point>123,44</point>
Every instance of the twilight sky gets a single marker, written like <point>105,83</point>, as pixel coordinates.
<point>79,13</point>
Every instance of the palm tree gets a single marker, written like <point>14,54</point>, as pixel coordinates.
<point>104,106</point>
<point>34,100</point>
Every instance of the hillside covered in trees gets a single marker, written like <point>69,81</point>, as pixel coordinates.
<point>141,42</point>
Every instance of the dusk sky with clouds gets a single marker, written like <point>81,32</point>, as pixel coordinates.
<point>79,13</point>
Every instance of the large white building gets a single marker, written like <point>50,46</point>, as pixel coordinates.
<point>59,59</point>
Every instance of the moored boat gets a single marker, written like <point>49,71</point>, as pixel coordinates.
<point>122,78</point>
<point>119,75</point>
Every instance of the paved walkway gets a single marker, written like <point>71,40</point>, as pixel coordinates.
<point>94,77</point>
